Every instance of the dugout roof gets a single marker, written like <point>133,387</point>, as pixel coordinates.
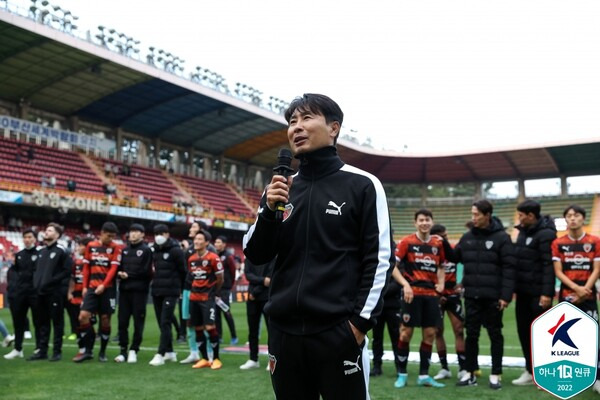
<point>62,74</point>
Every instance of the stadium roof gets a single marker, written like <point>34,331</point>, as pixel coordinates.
<point>57,72</point>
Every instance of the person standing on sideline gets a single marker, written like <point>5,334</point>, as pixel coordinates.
<point>419,257</point>
<point>450,303</point>
<point>135,273</point>
<point>225,291</point>
<point>169,276</point>
<point>259,278</point>
<point>52,270</point>
<point>24,293</point>
<point>75,291</point>
<point>535,275</point>
<point>576,258</point>
<point>100,263</point>
<point>486,251</point>
<point>334,253</point>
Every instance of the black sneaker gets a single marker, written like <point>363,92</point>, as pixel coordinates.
<point>495,386</point>
<point>56,357</point>
<point>81,357</point>
<point>375,371</point>
<point>181,340</point>
<point>38,356</point>
<point>102,357</point>
<point>472,381</point>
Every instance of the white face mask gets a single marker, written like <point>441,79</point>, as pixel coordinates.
<point>160,240</point>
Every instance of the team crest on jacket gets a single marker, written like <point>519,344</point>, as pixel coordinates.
<point>33,258</point>
<point>587,247</point>
<point>528,241</point>
<point>488,244</point>
<point>52,255</point>
<point>289,207</point>
<point>272,363</point>
<point>139,253</point>
<point>166,255</point>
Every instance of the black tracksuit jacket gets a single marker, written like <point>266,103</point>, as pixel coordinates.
<point>169,269</point>
<point>54,267</point>
<point>334,247</point>
<point>136,261</point>
<point>22,272</point>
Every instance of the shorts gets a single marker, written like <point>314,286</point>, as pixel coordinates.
<point>185,305</point>
<point>453,305</point>
<point>423,311</point>
<point>588,306</point>
<point>103,304</point>
<point>202,312</point>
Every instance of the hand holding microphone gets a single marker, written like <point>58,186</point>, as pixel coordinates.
<point>279,188</point>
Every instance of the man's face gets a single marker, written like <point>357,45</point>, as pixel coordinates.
<point>194,228</point>
<point>80,249</point>
<point>574,220</point>
<point>135,236</point>
<point>200,242</point>
<point>526,220</point>
<point>219,245</point>
<point>29,240</point>
<point>107,237</point>
<point>423,223</point>
<point>308,132</point>
<point>479,219</point>
<point>50,235</point>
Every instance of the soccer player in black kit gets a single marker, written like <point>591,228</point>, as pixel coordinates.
<point>334,253</point>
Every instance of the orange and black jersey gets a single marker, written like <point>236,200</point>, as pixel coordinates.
<point>77,277</point>
<point>419,262</point>
<point>203,271</point>
<point>100,264</point>
<point>577,257</point>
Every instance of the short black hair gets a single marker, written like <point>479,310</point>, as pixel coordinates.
<point>575,207</point>
<point>109,227</point>
<point>137,227</point>
<point>84,241</point>
<point>206,234</point>
<point>29,230</point>
<point>425,212</point>
<point>161,228</point>
<point>484,206</point>
<point>200,223</point>
<point>530,206</point>
<point>317,104</point>
<point>222,238</point>
<point>437,229</point>
<point>59,229</point>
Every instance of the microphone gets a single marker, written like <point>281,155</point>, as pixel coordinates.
<point>284,161</point>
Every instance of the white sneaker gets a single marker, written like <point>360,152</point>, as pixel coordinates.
<point>132,357</point>
<point>192,358</point>
<point>120,358</point>
<point>171,356</point>
<point>250,364</point>
<point>596,387</point>
<point>157,360</point>
<point>524,379</point>
<point>8,340</point>
<point>461,374</point>
<point>27,335</point>
<point>443,374</point>
<point>14,354</point>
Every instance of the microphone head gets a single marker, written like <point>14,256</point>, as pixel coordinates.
<point>284,157</point>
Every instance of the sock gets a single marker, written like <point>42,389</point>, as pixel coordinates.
<point>201,343</point>
<point>494,379</point>
<point>214,342</point>
<point>466,377</point>
<point>425,353</point>
<point>88,337</point>
<point>402,356</point>
<point>462,358</point>
<point>443,358</point>
<point>191,337</point>
<point>104,338</point>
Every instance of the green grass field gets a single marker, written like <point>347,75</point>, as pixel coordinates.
<point>66,380</point>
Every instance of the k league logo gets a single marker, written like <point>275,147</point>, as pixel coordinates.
<point>564,350</point>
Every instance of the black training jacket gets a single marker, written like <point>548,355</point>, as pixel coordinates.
<point>53,267</point>
<point>169,269</point>
<point>489,263</point>
<point>22,272</point>
<point>334,247</point>
<point>535,270</point>
<point>136,260</point>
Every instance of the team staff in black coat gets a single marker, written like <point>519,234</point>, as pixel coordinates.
<point>487,254</point>
<point>23,293</point>
<point>334,253</point>
<point>135,273</point>
<point>259,278</point>
<point>535,275</point>
<point>52,270</point>
<point>169,276</point>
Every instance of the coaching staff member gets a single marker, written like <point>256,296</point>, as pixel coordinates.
<point>334,252</point>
